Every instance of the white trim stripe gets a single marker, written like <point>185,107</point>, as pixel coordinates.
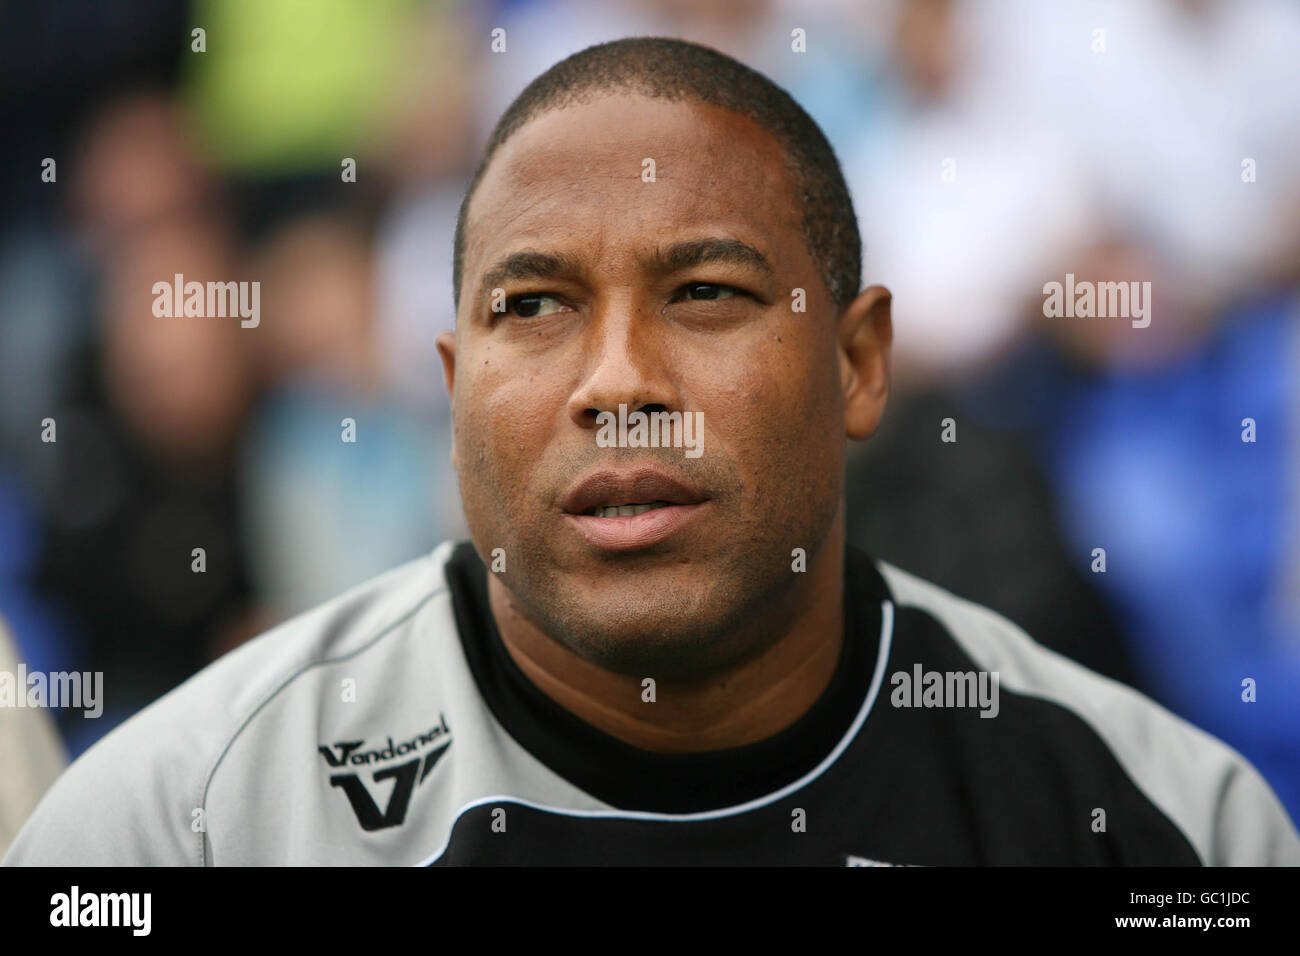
<point>882,658</point>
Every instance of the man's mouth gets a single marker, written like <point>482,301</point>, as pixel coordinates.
<point>631,509</point>
<point>615,511</point>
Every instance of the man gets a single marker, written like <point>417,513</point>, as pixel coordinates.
<point>658,648</point>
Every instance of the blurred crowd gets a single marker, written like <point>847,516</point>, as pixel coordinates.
<point>991,146</point>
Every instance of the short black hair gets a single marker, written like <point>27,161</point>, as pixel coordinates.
<point>671,69</point>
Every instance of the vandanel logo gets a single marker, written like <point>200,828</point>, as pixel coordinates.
<point>424,751</point>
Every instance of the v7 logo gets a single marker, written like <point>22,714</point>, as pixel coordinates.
<point>363,805</point>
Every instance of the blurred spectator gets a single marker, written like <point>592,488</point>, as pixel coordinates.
<point>1199,526</point>
<point>977,516</point>
<point>949,186</point>
<point>144,456</point>
<point>329,506</point>
<point>147,435</point>
<point>1162,102</point>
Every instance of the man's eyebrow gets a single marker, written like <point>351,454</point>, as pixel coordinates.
<point>694,252</point>
<point>527,265</point>
<point>680,255</point>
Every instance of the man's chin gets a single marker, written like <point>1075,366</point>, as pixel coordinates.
<point>648,648</point>
<point>682,612</point>
<point>649,628</point>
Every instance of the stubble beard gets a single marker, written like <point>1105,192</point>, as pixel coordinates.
<point>703,623</point>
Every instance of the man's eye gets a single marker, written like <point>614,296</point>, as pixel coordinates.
<point>532,305</point>
<point>704,291</point>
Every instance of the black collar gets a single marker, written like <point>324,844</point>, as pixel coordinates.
<point>630,778</point>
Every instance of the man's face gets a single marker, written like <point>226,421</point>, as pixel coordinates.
<point>616,305</point>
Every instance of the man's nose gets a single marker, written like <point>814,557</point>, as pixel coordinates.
<point>625,363</point>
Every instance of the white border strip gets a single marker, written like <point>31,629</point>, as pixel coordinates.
<point>882,658</point>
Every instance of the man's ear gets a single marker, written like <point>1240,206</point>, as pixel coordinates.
<point>866,332</point>
<point>446,342</point>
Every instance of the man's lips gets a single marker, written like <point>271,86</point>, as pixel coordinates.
<point>672,503</point>
<point>627,487</point>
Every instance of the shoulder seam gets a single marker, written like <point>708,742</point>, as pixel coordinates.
<point>1088,727</point>
<point>1009,630</point>
<point>384,632</point>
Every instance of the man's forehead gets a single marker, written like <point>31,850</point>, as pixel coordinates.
<point>622,165</point>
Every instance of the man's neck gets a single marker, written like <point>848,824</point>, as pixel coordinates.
<point>744,704</point>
